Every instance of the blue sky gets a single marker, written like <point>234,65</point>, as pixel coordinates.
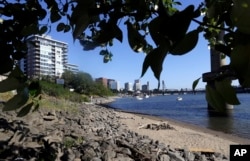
<point>126,65</point>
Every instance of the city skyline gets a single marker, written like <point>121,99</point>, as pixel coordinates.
<point>126,65</point>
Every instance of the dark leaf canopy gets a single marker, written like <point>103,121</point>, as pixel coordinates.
<point>97,23</point>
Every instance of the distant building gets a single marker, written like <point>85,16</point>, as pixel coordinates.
<point>114,85</point>
<point>72,67</point>
<point>128,86</point>
<point>145,87</point>
<point>137,85</point>
<point>103,81</point>
<point>45,57</point>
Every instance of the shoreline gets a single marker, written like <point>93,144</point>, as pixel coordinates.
<point>184,136</point>
<point>234,137</point>
<point>188,136</point>
<point>220,134</point>
<point>103,133</point>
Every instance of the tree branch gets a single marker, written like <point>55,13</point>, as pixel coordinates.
<point>216,27</point>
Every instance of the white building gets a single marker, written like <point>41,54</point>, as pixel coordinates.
<point>45,57</point>
<point>114,85</point>
<point>72,67</point>
<point>137,85</point>
<point>128,86</point>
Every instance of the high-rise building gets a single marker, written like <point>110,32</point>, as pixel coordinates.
<point>137,85</point>
<point>72,67</point>
<point>45,57</point>
<point>103,81</point>
<point>114,85</point>
<point>128,86</point>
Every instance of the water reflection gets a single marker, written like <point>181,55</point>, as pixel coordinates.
<point>221,121</point>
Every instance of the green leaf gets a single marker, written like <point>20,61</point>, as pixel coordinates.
<point>186,44</point>
<point>154,27</point>
<point>36,107</point>
<point>228,93</point>
<point>17,101</point>
<point>88,45</point>
<point>66,28</point>
<point>60,27</point>
<point>240,58</point>
<point>81,19</point>
<point>16,73</point>
<point>43,30</point>
<point>34,88</point>
<point>103,52</point>
<point>14,81</point>
<point>30,29</point>
<point>107,57</point>
<point>118,33</point>
<point>55,16</point>
<point>25,110</point>
<point>109,30</point>
<point>6,65</point>
<point>195,83</point>
<point>155,59</point>
<point>18,55</point>
<point>9,84</point>
<point>135,39</point>
<point>215,99</point>
<point>175,27</point>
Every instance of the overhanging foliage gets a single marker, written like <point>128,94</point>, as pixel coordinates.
<point>96,23</point>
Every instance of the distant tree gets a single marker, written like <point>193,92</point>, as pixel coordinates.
<point>68,77</point>
<point>100,90</point>
<point>80,81</point>
<point>95,23</point>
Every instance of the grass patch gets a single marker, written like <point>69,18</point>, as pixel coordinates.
<point>49,102</point>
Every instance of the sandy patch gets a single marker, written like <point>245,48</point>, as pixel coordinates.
<point>183,136</point>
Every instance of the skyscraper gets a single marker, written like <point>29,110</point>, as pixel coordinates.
<point>45,57</point>
<point>137,85</point>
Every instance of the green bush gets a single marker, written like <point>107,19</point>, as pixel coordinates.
<point>53,89</point>
<point>59,91</point>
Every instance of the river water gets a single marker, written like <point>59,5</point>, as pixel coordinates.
<point>192,109</point>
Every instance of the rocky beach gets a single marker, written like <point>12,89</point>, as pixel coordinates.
<point>97,133</point>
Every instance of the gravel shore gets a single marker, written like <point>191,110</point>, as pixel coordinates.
<point>96,133</point>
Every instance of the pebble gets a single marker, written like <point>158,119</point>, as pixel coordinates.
<point>93,134</point>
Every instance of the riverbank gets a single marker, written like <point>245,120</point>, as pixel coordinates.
<point>95,133</point>
<point>184,135</point>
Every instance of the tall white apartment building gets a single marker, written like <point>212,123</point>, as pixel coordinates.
<point>46,57</point>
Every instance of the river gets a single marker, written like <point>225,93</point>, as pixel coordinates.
<point>191,109</point>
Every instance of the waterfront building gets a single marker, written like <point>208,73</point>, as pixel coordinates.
<point>128,86</point>
<point>72,67</point>
<point>144,88</point>
<point>45,57</point>
<point>103,81</point>
<point>137,85</point>
<point>113,84</point>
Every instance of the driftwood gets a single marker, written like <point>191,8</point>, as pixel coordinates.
<point>157,126</point>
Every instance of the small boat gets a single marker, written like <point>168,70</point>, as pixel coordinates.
<point>146,96</point>
<point>138,97</point>
<point>179,98</point>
